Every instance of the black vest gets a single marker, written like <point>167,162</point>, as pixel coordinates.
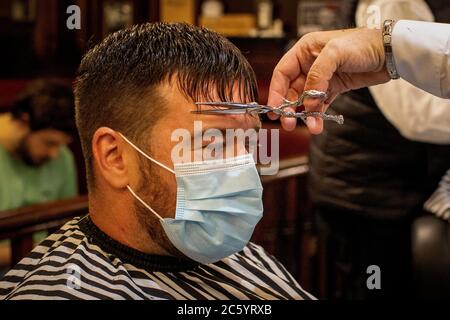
<point>365,167</point>
<point>440,9</point>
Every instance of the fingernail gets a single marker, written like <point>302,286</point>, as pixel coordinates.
<point>311,122</point>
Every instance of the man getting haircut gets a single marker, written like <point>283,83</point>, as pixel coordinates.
<point>156,228</point>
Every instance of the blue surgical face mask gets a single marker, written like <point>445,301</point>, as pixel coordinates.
<point>219,203</point>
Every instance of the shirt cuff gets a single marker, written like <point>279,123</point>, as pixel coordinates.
<point>421,54</point>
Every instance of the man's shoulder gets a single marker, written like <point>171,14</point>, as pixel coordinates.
<point>259,267</point>
<point>5,157</point>
<point>255,256</point>
<point>3,151</point>
<point>50,265</point>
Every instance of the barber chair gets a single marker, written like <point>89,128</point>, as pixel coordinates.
<point>431,257</point>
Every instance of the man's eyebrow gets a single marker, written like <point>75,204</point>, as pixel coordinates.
<point>223,131</point>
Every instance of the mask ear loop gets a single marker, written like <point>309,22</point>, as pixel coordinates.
<point>143,203</point>
<point>144,154</point>
<point>153,160</point>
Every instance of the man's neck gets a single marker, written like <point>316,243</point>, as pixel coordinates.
<point>12,132</point>
<point>119,221</point>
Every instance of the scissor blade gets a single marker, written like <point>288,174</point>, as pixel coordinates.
<point>225,104</point>
<point>221,111</point>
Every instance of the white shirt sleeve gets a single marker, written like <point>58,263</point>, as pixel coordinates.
<point>417,114</point>
<point>422,55</point>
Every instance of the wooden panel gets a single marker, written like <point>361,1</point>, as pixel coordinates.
<point>20,247</point>
<point>5,9</point>
<point>263,54</point>
<point>9,89</point>
<point>17,222</point>
<point>153,13</point>
<point>46,28</point>
<point>19,225</point>
<point>177,11</point>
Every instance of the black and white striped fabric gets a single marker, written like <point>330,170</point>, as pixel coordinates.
<point>439,202</point>
<point>81,262</point>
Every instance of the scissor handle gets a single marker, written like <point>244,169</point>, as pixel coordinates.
<point>305,114</point>
<point>313,94</point>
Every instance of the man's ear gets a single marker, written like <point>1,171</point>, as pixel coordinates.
<point>110,158</point>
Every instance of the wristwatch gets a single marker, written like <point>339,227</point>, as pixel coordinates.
<point>388,26</point>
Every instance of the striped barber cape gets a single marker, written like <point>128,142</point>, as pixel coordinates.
<point>439,202</point>
<point>79,261</point>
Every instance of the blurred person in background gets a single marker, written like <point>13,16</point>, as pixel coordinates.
<point>371,177</point>
<point>35,163</point>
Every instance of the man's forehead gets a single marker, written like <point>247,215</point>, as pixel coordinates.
<point>170,89</point>
<point>179,108</point>
<point>244,121</point>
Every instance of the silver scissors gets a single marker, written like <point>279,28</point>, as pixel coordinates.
<point>226,108</point>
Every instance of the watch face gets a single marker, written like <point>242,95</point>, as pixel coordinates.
<point>387,38</point>
<point>390,66</point>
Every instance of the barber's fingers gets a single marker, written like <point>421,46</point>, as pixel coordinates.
<point>292,94</point>
<point>289,123</point>
<point>319,77</point>
<point>321,73</point>
<point>279,86</point>
<point>286,79</point>
<point>315,125</point>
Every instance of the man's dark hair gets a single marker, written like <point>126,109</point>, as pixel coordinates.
<point>47,104</point>
<point>117,79</point>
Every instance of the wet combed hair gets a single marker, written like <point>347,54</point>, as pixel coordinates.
<point>48,104</point>
<point>118,79</point>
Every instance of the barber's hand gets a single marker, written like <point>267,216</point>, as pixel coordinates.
<point>330,61</point>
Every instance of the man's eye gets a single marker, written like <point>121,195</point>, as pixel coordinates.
<point>251,145</point>
<point>219,144</point>
<point>213,143</point>
<point>248,144</point>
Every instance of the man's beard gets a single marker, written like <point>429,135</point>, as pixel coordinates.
<point>155,197</point>
<point>24,154</point>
